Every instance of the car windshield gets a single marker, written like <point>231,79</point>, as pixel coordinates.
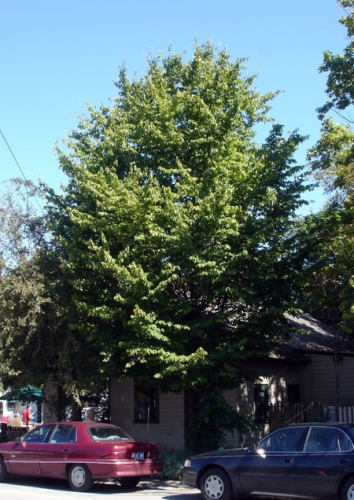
<point>105,433</point>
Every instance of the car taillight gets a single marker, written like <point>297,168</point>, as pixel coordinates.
<point>118,455</point>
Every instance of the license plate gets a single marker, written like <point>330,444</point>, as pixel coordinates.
<point>139,455</point>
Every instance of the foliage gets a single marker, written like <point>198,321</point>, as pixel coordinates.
<point>35,334</point>
<point>325,243</point>
<point>213,417</point>
<point>322,416</point>
<point>173,463</point>
<point>175,224</point>
<point>37,340</point>
<point>21,229</point>
<point>340,68</point>
<point>332,160</point>
<point>332,156</point>
<point>329,270</point>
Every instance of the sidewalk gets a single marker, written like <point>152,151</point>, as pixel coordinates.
<point>161,484</point>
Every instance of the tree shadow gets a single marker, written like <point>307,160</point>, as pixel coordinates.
<point>105,487</point>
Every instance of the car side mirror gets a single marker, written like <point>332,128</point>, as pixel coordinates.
<point>19,439</point>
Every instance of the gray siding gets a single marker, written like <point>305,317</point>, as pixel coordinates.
<point>169,433</point>
<point>318,379</point>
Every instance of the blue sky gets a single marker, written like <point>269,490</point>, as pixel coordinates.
<point>57,55</point>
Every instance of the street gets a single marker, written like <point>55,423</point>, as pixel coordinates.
<point>21,487</point>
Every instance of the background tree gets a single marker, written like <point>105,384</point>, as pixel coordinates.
<point>20,226</point>
<point>326,250</point>
<point>37,340</point>
<point>330,276</point>
<point>175,223</point>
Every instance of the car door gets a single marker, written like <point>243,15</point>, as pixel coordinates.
<point>325,458</point>
<point>55,453</point>
<point>269,468</point>
<point>25,454</point>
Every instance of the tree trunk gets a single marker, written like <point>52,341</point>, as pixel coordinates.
<point>76,410</point>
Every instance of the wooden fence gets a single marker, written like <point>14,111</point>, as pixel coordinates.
<point>292,413</point>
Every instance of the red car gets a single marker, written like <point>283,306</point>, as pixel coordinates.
<point>80,452</point>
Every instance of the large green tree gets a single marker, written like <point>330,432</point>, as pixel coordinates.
<point>176,223</point>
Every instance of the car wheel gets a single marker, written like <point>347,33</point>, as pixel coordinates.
<point>4,475</point>
<point>347,492</point>
<point>80,478</point>
<point>216,485</point>
<point>129,482</point>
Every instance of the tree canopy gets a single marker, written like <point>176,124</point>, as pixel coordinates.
<point>330,278</point>
<point>172,255</point>
<point>176,223</point>
<point>332,156</point>
<point>37,314</point>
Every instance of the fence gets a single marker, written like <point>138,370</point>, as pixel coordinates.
<point>280,414</point>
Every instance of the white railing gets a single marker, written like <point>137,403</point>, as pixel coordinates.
<point>283,413</point>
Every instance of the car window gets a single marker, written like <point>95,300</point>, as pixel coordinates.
<point>64,433</point>
<point>106,433</point>
<point>282,440</point>
<point>327,439</point>
<point>344,442</point>
<point>38,435</point>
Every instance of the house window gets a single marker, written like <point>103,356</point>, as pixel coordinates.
<point>146,405</point>
<point>261,397</point>
<point>293,393</point>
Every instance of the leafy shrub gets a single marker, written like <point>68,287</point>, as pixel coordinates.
<point>173,463</point>
<point>213,417</point>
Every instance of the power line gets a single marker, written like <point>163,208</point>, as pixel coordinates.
<point>23,175</point>
<point>7,144</point>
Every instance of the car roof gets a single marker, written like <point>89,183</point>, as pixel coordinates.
<point>85,424</point>
<point>325,424</point>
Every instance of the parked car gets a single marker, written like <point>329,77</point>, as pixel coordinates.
<point>311,460</point>
<point>81,453</point>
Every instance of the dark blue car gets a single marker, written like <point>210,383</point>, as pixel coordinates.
<point>311,460</point>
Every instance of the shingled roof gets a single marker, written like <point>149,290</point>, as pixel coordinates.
<point>313,337</point>
<point>317,337</point>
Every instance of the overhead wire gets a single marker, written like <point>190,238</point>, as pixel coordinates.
<point>23,175</point>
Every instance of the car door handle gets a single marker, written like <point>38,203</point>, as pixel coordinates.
<point>287,460</point>
<point>66,450</point>
<point>344,461</point>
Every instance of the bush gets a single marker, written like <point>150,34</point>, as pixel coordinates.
<point>173,463</point>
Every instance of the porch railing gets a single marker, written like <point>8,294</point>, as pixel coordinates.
<point>282,413</point>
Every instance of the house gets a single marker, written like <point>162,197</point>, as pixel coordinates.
<point>313,367</point>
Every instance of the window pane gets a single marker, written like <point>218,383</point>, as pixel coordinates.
<point>282,440</point>
<point>39,434</point>
<point>101,433</point>
<point>261,403</point>
<point>344,442</point>
<point>293,393</point>
<point>62,433</point>
<point>11,407</point>
<point>322,439</point>
<point>146,405</point>
<point>72,435</point>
